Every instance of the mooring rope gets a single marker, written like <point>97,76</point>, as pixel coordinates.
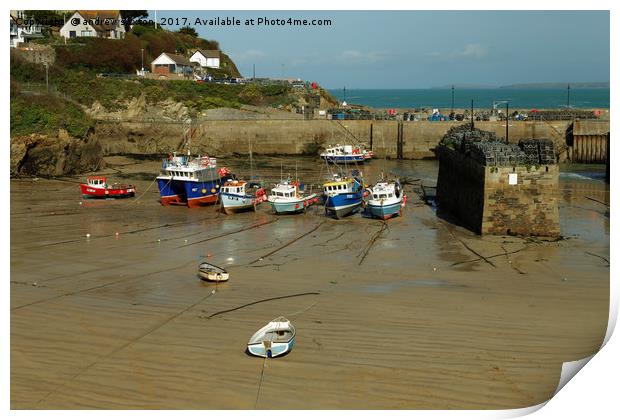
<point>145,191</point>
<point>260,382</point>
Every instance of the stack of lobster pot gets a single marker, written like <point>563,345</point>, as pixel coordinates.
<point>530,149</point>
<point>538,151</point>
<point>546,152</point>
<point>484,153</point>
<point>495,153</point>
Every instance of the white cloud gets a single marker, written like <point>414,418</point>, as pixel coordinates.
<point>473,50</point>
<point>469,51</point>
<point>358,56</point>
<point>298,61</point>
<point>248,55</point>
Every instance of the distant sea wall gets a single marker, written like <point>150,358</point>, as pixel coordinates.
<point>294,137</point>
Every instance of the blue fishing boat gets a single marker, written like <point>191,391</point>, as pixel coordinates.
<point>190,181</point>
<point>386,199</point>
<point>343,154</point>
<point>343,195</point>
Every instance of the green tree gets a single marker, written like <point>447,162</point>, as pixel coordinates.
<point>130,15</point>
<point>188,30</point>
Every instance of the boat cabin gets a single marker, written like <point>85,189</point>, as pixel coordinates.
<point>96,181</point>
<point>338,149</point>
<point>338,187</point>
<point>234,187</point>
<point>384,190</point>
<point>284,191</point>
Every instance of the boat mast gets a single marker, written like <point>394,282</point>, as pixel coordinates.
<point>251,163</point>
<point>189,138</point>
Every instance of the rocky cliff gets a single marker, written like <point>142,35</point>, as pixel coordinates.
<point>54,155</point>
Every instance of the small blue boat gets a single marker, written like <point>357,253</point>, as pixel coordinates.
<point>275,339</point>
<point>343,195</point>
<point>386,200</point>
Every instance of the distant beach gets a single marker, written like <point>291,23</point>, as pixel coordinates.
<point>584,98</point>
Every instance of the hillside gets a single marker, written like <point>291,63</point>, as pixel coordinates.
<point>74,77</point>
<point>53,126</point>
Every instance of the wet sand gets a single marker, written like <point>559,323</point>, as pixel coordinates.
<point>412,320</point>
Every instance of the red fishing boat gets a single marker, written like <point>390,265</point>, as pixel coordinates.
<point>97,187</point>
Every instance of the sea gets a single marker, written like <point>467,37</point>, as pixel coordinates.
<point>526,98</point>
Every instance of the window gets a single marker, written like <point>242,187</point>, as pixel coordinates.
<point>85,33</point>
<point>375,196</point>
<point>382,196</point>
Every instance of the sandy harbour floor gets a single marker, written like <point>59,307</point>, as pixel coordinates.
<point>411,320</point>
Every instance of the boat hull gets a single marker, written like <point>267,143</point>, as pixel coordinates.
<point>214,277</point>
<point>233,203</point>
<point>277,349</point>
<point>342,205</point>
<point>385,211</point>
<point>188,193</point>
<point>293,207</point>
<point>94,193</point>
<point>343,159</point>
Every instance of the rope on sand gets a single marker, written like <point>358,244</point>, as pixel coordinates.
<point>260,382</point>
<point>145,191</point>
<point>260,301</point>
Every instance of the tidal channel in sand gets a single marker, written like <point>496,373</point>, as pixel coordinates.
<point>405,315</point>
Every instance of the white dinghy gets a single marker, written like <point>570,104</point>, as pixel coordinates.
<point>212,272</point>
<point>274,339</point>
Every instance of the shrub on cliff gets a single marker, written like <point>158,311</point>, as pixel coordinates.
<point>251,94</point>
<point>25,71</point>
<point>102,55</point>
<point>46,114</point>
<point>274,90</point>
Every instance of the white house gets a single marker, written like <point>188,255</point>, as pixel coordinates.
<point>206,58</point>
<point>168,63</point>
<point>23,29</point>
<point>94,23</point>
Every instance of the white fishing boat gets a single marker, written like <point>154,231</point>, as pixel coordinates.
<point>237,196</point>
<point>288,198</point>
<point>386,199</point>
<point>211,272</point>
<point>274,339</point>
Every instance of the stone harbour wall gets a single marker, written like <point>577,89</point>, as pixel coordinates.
<point>521,200</point>
<point>529,207</point>
<point>460,187</point>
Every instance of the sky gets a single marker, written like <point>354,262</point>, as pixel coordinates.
<point>414,49</point>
